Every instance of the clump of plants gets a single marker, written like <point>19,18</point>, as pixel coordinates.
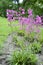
<point>26,55</point>
<point>23,57</point>
<point>19,41</point>
<point>35,47</point>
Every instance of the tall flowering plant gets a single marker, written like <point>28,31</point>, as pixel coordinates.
<point>29,24</point>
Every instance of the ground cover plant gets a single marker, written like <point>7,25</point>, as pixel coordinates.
<point>23,57</point>
<point>5,28</point>
<point>5,31</point>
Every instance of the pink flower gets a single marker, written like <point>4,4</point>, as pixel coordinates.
<point>12,11</point>
<point>23,12</point>
<point>38,19</point>
<point>30,11</point>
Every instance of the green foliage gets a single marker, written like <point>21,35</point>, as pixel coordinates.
<point>6,4</point>
<point>15,39</point>
<point>19,41</point>
<point>40,38</point>
<point>23,57</point>
<point>5,29</point>
<point>29,37</point>
<point>21,32</point>
<point>35,47</point>
<point>36,5</point>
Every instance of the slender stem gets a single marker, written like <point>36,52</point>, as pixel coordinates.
<point>11,29</point>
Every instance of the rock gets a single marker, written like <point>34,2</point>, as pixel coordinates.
<point>40,59</point>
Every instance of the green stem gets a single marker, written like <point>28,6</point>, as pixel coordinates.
<point>11,29</point>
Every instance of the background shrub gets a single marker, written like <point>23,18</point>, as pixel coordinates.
<point>6,4</point>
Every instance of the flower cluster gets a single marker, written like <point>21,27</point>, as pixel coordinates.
<point>29,11</point>
<point>10,14</point>
<point>38,19</point>
<point>28,24</point>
